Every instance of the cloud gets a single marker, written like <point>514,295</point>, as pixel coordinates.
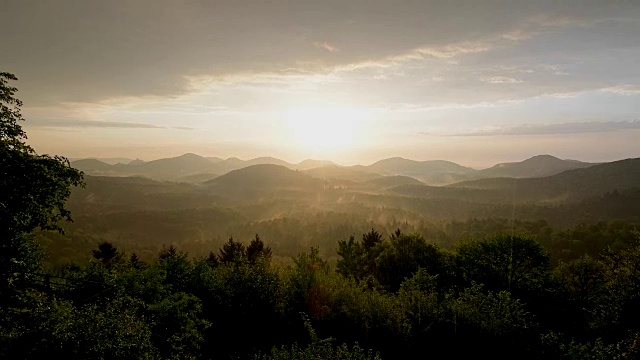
<point>627,89</point>
<point>91,124</point>
<point>77,45</point>
<point>502,80</point>
<point>554,129</point>
<point>325,45</point>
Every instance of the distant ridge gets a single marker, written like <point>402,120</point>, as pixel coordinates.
<point>195,168</point>
<point>263,179</point>
<point>110,161</point>
<point>311,164</point>
<point>435,172</point>
<point>577,183</point>
<point>92,165</point>
<point>537,166</point>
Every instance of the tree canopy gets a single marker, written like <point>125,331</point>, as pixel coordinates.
<point>33,190</point>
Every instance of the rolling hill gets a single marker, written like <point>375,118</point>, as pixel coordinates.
<point>263,180</point>
<point>194,168</point>
<point>537,166</point>
<point>568,185</point>
<point>433,172</point>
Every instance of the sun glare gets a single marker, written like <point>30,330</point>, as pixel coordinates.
<point>324,129</point>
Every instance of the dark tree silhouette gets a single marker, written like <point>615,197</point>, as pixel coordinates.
<point>33,192</point>
<point>370,239</point>
<point>257,250</point>
<point>212,259</point>
<point>503,262</point>
<point>350,264</point>
<point>167,253</point>
<point>135,262</point>
<point>233,251</point>
<point>106,253</point>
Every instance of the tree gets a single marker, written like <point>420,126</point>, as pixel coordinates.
<point>233,251</point>
<point>106,253</point>
<point>351,253</point>
<point>370,239</point>
<point>135,262</point>
<point>33,192</point>
<point>403,256</point>
<point>503,262</point>
<point>256,250</point>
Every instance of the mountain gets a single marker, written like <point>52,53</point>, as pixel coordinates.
<point>263,180</point>
<point>188,167</point>
<point>537,166</point>
<point>110,161</point>
<point>393,181</point>
<point>301,207</point>
<point>198,178</point>
<point>162,169</point>
<point>433,172</point>
<point>265,160</point>
<point>135,162</point>
<point>91,165</point>
<point>107,193</point>
<point>194,168</point>
<point>336,172</point>
<point>173,168</point>
<point>574,184</point>
<point>312,164</point>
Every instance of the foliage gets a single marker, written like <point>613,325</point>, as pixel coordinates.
<point>502,262</point>
<point>33,191</point>
<point>319,350</point>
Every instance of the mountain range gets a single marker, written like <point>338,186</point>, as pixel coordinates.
<point>297,208</point>
<point>195,169</point>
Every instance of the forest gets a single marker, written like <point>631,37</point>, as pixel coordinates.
<point>267,262</point>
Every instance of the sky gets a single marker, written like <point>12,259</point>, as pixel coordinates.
<point>475,82</point>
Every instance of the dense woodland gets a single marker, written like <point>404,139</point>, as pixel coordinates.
<point>398,295</point>
<point>341,268</point>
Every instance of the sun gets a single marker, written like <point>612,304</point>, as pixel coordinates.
<point>324,128</point>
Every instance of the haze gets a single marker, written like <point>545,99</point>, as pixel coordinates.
<point>348,81</point>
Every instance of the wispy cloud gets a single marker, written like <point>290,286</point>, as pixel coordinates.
<point>503,80</point>
<point>553,129</point>
<point>627,89</point>
<point>326,45</point>
<point>91,124</point>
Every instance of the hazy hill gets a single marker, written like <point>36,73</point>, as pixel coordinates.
<point>165,169</point>
<point>433,172</point>
<point>188,167</point>
<point>568,185</point>
<point>110,161</point>
<point>312,164</point>
<point>537,166</point>
<point>393,181</point>
<point>173,168</point>
<point>198,178</point>
<point>300,208</point>
<point>195,168</point>
<point>136,162</point>
<point>263,161</point>
<point>92,166</point>
<point>263,180</point>
<point>132,193</point>
<point>342,173</point>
